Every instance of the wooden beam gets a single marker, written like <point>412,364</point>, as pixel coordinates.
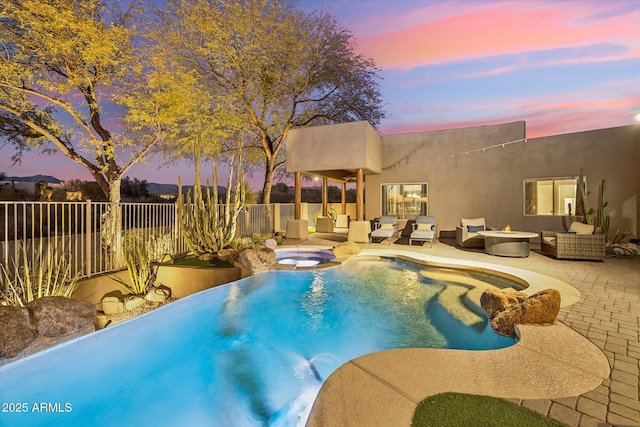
<point>360,195</point>
<point>344,198</point>
<point>297,211</point>
<point>325,197</point>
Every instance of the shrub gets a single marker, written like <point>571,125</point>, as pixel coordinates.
<point>49,275</point>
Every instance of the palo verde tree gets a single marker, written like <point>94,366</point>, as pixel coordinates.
<point>274,66</point>
<point>59,62</point>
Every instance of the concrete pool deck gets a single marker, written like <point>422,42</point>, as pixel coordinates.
<point>553,370</point>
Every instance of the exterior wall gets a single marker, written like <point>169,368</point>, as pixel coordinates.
<point>489,183</point>
<point>321,150</point>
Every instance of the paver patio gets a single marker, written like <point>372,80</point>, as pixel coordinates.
<point>607,314</point>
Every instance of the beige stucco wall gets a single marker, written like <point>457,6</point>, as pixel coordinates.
<point>489,183</point>
<point>182,280</point>
<point>326,151</point>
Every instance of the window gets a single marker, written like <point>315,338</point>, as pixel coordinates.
<point>406,201</point>
<point>550,196</point>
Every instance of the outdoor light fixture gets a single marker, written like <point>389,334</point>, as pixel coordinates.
<point>638,117</point>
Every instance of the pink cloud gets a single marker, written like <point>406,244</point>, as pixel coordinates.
<point>501,28</point>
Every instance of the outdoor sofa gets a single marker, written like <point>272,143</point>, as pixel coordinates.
<point>581,242</point>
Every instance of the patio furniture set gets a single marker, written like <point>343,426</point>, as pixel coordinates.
<point>580,242</point>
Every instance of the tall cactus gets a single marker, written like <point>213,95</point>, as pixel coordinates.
<point>208,227</point>
<point>602,219</point>
<point>584,201</point>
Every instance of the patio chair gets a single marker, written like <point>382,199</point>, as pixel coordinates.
<point>467,233</point>
<point>580,242</point>
<point>386,228</point>
<point>424,229</point>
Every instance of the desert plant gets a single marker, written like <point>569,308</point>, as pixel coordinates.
<point>139,251</point>
<point>206,225</point>
<point>49,275</point>
<point>584,199</point>
<point>602,219</point>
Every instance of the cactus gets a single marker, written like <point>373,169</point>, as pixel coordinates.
<point>584,201</point>
<point>602,219</point>
<point>208,227</point>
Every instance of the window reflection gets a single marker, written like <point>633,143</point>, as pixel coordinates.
<point>406,201</point>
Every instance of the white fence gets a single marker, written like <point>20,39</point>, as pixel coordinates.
<point>73,229</point>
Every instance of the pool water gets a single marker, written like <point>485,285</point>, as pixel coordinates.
<point>304,258</point>
<point>251,353</point>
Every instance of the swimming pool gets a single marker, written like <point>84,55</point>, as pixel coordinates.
<point>251,353</point>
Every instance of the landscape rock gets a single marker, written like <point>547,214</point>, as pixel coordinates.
<point>494,301</point>
<point>208,257</point>
<point>15,331</point>
<point>158,294</point>
<point>228,255</point>
<point>257,258</point>
<point>541,308</point>
<point>131,302</point>
<point>55,316</point>
<point>346,249</point>
<point>112,303</point>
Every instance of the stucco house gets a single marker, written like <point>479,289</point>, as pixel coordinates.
<point>494,172</point>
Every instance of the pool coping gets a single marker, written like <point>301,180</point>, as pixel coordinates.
<point>383,388</point>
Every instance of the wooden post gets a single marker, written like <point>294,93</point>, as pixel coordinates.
<point>360,195</point>
<point>298,196</point>
<point>325,197</point>
<point>344,198</point>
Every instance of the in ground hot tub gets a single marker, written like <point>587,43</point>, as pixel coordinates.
<point>304,257</point>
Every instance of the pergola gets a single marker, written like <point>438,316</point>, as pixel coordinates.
<point>341,153</point>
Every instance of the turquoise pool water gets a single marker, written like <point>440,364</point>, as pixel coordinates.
<point>251,353</point>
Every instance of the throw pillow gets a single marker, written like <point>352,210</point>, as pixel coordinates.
<point>581,228</point>
<point>424,227</point>
<point>475,228</point>
<point>386,226</point>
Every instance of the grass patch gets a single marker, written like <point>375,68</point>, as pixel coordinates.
<point>195,262</point>
<point>458,409</point>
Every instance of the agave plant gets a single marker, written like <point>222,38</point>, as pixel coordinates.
<point>49,275</point>
<point>140,253</point>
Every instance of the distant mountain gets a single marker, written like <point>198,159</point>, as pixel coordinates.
<point>35,178</point>
<point>152,186</point>
<point>173,188</point>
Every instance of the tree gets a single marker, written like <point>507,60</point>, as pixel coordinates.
<point>271,68</point>
<point>59,63</point>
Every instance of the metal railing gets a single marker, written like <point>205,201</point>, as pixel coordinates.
<point>73,229</point>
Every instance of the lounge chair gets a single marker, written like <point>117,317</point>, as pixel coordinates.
<point>467,233</point>
<point>386,228</point>
<point>424,229</point>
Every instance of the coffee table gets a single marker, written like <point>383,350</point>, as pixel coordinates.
<point>507,243</point>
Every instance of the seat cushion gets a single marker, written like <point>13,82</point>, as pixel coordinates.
<point>581,228</point>
<point>474,222</point>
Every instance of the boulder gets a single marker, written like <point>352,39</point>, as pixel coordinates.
<point>158,294</point>
<point>346,249</point>
<point>541,308</point>
<point>131,302</point>
<point>493,301</point>
<point>228,255</point>
<point>208,257</point>
<point>55,316</point>
<point>112,303</point>
<point>15,331</point>
<point>255,259</point>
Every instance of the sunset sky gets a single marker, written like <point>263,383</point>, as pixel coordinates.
<point>562,66</point>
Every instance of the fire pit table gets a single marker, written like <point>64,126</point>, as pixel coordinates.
<point>507,243</point>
